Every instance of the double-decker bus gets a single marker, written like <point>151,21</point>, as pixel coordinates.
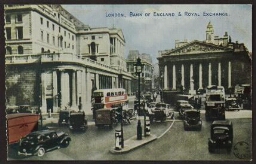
<point>215,103</point>
<point>107,98</point>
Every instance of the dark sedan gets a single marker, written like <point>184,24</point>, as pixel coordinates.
<point>39,142</point>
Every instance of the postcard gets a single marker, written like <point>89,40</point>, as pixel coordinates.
<point>128,82</point>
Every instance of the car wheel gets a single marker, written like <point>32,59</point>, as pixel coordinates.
<point>65,143</point>
<point>210,148</point>
<point>40,152</point>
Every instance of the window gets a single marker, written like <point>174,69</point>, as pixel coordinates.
<point>69,35</point>
<point>53,40</point>
<point>72,37</point>
<point>8,33</point>
<point>93,37</point>
<point>19,32</point>
<point>42,21</point>
<point>8,50</point>
<point>42,50</point>
<point>20,50</point>
<point>53,27</point>
<point>65,44</point>
<point>7,19</point>
<point>59,29</point>
<point>102,59</point>
<point>42,36</point>
<point>19,18</point>
<point>93,48</point>
<point>48,38</point>
<point>64,33</point>
<point>47,24</point>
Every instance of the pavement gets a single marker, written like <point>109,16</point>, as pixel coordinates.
<point>133,143</point>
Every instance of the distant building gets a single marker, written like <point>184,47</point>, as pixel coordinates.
<point>194,65</point>
<point>147,73</point>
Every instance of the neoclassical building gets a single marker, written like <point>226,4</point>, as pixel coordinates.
<point>54,60</point>
<point>194,65</point>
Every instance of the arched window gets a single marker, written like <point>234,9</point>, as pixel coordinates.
<point>42,50</point>
<point>93,48</point>
<point>20,50</point>
<point>8,50</point>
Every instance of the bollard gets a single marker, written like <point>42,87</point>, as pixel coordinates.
<point>147,126</point>
<point>118,140</point>
<point>139,131</point>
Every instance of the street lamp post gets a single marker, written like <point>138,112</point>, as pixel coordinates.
<point>138,67</point>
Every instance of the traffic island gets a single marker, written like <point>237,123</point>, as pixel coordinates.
<point>132,143</point>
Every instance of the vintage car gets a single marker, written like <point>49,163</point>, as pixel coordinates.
<point>221,135</point>
<point>232,104</point>
<point>161,111</point>
<point>39,142</point>
<point>105,117</point>
<point>64,116</point>
<point>183,108</point>
<point>77,121</point>
<point>181,103</point>
<point>192,120</point>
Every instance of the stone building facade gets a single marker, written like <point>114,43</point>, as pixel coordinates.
<point>147,72</point>
<point>192,66</point>
<point>54,60</point>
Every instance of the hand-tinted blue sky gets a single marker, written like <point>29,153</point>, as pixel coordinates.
<point>151,34</point>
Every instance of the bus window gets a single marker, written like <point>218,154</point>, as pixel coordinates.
<point>123,93</point>
<point>108,94</point>
<point>119,93</point>
<point>116,94</point>
<point>112,93</point>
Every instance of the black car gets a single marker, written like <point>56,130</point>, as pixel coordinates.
<point>183,109</point>
<point>192,120</point>
<point>221,135</point>
<point>64,116</point>
<point>77,121</point>
<point>39,142</point>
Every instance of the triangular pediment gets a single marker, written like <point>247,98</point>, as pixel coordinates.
<point>196,47</point>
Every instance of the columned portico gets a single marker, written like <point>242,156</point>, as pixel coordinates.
<point>74,90</point>
<point>55,91</point>
<point>43,93</point>
<point>192,90</point>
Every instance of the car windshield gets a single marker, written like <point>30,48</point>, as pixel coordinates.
<point>220,130</point>
<point>160,105</point>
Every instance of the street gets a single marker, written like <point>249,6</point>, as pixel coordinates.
<point>172,144</point>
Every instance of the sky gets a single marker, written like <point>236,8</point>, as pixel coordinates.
<point>149,33</point>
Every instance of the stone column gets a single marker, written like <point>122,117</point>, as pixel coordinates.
<point>200,76</point>
<point>210,74</point>
<point>43,96</point>
<point>74,105</point>
<point>229,75</point>
<point>55,91</point>
<point>65,93</point>
<point>192,90</point>
<point>173,77</point>
<point>97,81</point>
<point>219,74</point>
<point>165,77</point>
<point>182,77</point>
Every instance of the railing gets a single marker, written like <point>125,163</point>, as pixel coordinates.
<point>58,57</point>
